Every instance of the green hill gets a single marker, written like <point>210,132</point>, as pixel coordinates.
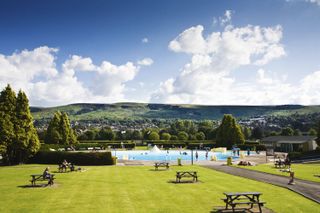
<point>141,111</point>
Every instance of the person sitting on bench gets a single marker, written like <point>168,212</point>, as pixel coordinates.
<point>46,174</point>
<point>65,165</point>
<point>71,165</point>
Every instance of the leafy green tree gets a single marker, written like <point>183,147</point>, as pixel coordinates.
<point>153,136</point>
<point>183,136</point>
<point>106,133</point>
<point>136,135</point>
<point>257,133</point>
<point>192,137</point>
<point>26,139</point>
<point>68,135</point>
<point>246,132</point>
<point>287,131</point>
<point>212,134</point>
<point>59,130</point>
<point>312,132</point>
<point>318,135</point>
<point>18,137</point>
<point>90,134</point>
<point>229,132</point>
<point>174,138</point>
<point>53,134</point>
<point>206,127</point>
<point>273,133</point>
<point>165,136</point>
<point>7,121</point>
<point>297,132</point>
<point>200,136</point>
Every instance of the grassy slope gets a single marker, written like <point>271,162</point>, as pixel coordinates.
<point>302,171</point>
<point>134,189</point>
<point>138,111</point>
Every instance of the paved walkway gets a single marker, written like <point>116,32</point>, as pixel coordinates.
<point>308,189</point>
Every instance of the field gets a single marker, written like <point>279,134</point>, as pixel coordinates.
<point>133,189</point>
<point>301,171</point>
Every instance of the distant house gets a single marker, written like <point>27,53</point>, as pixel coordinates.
<point>290,143</point>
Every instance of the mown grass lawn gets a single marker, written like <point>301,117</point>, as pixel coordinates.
<point>301,171</point>
<point>134,189</point>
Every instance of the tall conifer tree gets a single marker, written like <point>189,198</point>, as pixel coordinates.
<point>7,114</point>
<point>60,131</point>
<point>26,138</point>
<point>229,132</point>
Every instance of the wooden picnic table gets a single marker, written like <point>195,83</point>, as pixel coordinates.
<point>240,198</point>
<point>161,164</point>
<point>182,174</point>
<point>40,177</point>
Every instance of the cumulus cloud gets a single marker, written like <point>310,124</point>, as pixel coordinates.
<point>208,77</point>
<point>36,72</point>
<point>145,62</point>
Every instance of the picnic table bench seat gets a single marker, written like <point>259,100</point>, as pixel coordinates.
<point>186,174</point>
<point>161,164</point>
<point>234,199</point>
<point>40,177</point>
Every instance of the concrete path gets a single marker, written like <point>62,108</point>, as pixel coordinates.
<point>308,189</point>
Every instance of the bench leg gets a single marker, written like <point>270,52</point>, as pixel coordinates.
<point>259,207</point>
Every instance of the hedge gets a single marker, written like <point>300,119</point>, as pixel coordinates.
<point>257,147</point>
<point>197,145</point>
<point>80,146</point>
<point>304,155</point>
<point>78,158</point>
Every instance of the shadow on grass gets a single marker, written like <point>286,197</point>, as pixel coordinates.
<point>185,181</point>
<point>159,170</point>
<point>221,209</point>
<point>35,186</point>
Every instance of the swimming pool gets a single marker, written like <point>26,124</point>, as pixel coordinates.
<point>169,155</point>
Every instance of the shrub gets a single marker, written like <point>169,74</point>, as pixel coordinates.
<point>257,147</point>
<point>197,145</point>
<point>304,155</point>
<point>78,158</point>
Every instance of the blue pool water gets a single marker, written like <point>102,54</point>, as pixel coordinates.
<point>169,155</point>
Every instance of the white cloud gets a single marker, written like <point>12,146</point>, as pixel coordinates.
<point>226,19</point>
<point>145,62</point>
<point>207,77</point>
<point>36,73</point>
<point>314,1</point>
<point>145,40</point>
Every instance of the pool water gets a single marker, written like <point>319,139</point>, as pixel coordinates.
<point>170,155</point>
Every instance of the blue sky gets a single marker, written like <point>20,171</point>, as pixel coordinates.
<point>61,52</point>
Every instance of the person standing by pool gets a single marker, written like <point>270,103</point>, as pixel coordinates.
<point>207,155</point>
<point>197,155</point>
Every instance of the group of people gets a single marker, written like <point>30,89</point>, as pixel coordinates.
<point>64,165</point>
<point>283,163</point>
<point>206,155</point>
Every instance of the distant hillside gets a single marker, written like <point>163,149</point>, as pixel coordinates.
<point>140,111</point>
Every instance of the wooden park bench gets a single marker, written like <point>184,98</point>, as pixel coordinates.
<point>40,177</point>
<point>235,199</point>
<point>186,174</point>
<point>161,164</point>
